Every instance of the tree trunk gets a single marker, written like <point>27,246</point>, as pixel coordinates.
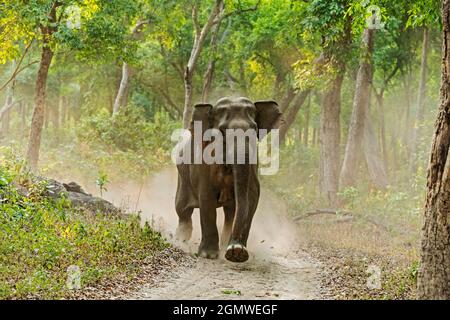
<point>37,120</point>
<point>56,115</point>
<point>6,123</point>
<point>287,98</point>
<point>372,152</point>
<point>406,134</point>
<point>23,119</point>
<point>314,137</point>
<point>199,40</point>
<point>291,113</point>
<point>306,127</point>
<point>420,101</point>
<point>360,105</point>
<point>122,93</point>
<point>214,43</point>
<point>63,111</point>
<point>380,102</point>
<point>122,88</point>
<point>5,113</point>
<point>329,139</point>
<point>434,273</point>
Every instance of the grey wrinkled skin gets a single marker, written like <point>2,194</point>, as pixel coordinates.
<point>234,187</point>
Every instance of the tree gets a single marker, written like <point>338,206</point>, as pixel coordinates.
<point>97,29</point>
<point>47,29</point>
<point>333,29</point>
<point>423,14</point>
<point>215,16</point>
<point>125,79</point>
<point>434,276</point>
<point>353,149</point>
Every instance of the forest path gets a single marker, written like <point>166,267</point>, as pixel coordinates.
<point>277,269</point>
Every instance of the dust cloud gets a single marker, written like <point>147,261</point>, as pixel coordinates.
<point>272,231</point>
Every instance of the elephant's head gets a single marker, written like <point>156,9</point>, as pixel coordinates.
<point>238,113</point>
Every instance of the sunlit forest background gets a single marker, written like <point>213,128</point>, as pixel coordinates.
<point>92,90</point>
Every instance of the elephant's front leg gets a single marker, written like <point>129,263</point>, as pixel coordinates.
<point>236,250</point>
<point>229,212</point>
<point>209,246</point>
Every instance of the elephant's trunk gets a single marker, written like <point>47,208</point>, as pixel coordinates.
<point>241,176</point>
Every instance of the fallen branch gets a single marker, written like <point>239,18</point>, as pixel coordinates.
<point>321,211</point>
<point>347,214</point>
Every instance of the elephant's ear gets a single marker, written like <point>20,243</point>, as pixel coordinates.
<point>201,113</point>
<point>268,115</point>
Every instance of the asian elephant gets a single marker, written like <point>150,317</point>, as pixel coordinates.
<point>235,187</point>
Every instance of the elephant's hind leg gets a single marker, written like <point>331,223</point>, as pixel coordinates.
<point>184,230</point>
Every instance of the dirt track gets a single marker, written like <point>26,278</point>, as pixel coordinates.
<point>277,268</point>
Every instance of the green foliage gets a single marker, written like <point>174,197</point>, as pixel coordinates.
<point>232,292</point>
<point>349,195</point>
<point>126,146</point>
<point>424,13</point>
<point>101,182</point>
<point>128,131</point>
<point>40,238</point>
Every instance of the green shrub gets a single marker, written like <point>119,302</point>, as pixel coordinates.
<point>40,238</point>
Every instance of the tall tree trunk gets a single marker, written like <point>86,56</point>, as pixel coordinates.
<point>40,90</point>
<point>292,112</point>
<point>289,95</point>
<point>56,114</point>
<point>421,97</point>
<point>380,102</point>
<point>6,121</point>
<point>37,120</point>
<point>329,139</point>
<point>406,134</point>
<point>122,93</point>
<point>372,153</point>
<point>307,116</point>
<point>23,119</point>
<point>214,44</point>
<point>314,137</point>
<point>199,40</point>
<point>63,111</point>
<point>5,113</point>
<point>434,273</point>
<point>360,105</point>
<point>122,88</point>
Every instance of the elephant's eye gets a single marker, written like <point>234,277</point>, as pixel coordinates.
<point>220,111</point>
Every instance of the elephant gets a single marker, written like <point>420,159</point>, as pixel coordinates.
<point>235,187</point>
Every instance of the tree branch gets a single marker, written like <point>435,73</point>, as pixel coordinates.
<point>17,70</point>
<point>240,11</point>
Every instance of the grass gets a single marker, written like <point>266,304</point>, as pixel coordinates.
<point>41,238</point>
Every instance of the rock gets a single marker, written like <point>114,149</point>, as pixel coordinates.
<point>74,187</point>
<point>92,203</point>
<point>55,189</point>
<point>78,197</point>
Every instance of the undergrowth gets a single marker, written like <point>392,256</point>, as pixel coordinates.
<point>40,238</point>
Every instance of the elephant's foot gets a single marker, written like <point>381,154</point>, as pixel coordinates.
<point>184,231</point>
<point>208,253</point>
<point>236,253</point>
